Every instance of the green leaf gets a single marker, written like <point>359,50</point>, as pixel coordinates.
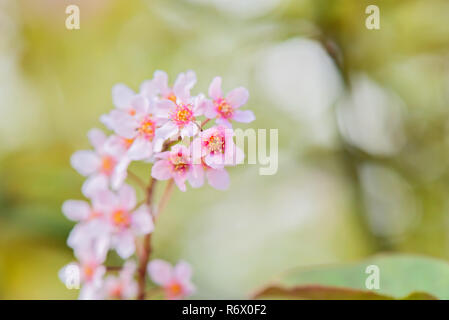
<point>408,277</point>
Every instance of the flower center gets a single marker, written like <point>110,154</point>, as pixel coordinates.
<point>224,109</point>
<point>215,144</point>
<point>174,289</point>
<point>88,271</point>
<point>182,115</point>
<point>147,128</point>
<point>180,162</point>
<point>116,292</point>
<point>171,97</point>
<point>121,218</point>
<point>127,142</point>
<point>107,165</point>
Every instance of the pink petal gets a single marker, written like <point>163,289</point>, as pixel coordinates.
<point>223,122</point>
<point>120,173</point>
<point>219,179</point>
<point>215,161</point>
<point>180,181</point>
<point>161,170</point>
<point>209,110</point>
<point>140,104</point>
<point>215,88</point>
<point>124,244</point>
<point>121,95</point>
<point>161,272</point>
<point>196,176</point>
<point>85,162</point>
<point>124,124</point>
<point>97,138</point>
<point>237,97</point>
<point>164,107</point>
<point>246,116</point>
<point>160,79</point>
<point>168,130</point>
<point>127,197</point>
<point>149,89</point>
<point>183,271</point>
<point>76,210</point>
<point>140,149</point>
<point>94,184</point>
<point>142,222</point>
<point>189,130</point>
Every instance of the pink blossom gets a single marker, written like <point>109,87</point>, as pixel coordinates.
<point>122,286</point>
<point>175,164</point>
<point>180,117</point>
<point>138,127</point>
<point>91,254</point>
<point>158,86</point>
<point>101,164</point>
<point>124,221</point>
<point>174,280</point>
<point>227,108</point>
<point>216,148</point>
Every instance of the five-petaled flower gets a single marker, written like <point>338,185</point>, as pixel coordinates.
<point>176,281</point>
<point>227,108</point>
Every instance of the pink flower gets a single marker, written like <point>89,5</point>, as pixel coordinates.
<point>227,108</point>
<point>175,281</point>
<point>158,86</point>
<point>101,164</point>
<point>216,148</point>
<point>125,223</point>
<point>124,286</point>
<point>89,270</point>
<point>174,164</point>
<point>180,117</point>
<point>138,126</point>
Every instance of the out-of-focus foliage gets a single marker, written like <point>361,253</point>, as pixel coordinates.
<point>349,281</point>
<point>362,118</point>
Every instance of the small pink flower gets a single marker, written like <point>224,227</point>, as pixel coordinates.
<point>175,281</point>
<point>158,86</point>
<point>124,223</point>
<point>216,148</point>
<point>227,108</point>
<point>124,286</point>
<point>174,164</point>
<point>180,117</point>
<point>137,127</point>
<point>101,164</point>
<point>91,254</point>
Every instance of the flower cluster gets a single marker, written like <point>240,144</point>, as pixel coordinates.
<point>164,126</point>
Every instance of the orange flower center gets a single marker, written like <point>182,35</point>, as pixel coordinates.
<point>224,109</point>
<point>88,271</point>
<point>182,115</point>
<point>174,289</point>
<point>180,163</point>
<point>172,97</point>
<point>215,144</point>
<point>147,128</point>
<point>107,165</point>
<point>121,218</point>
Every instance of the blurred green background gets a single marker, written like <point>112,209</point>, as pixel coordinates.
<point>362,114</point>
